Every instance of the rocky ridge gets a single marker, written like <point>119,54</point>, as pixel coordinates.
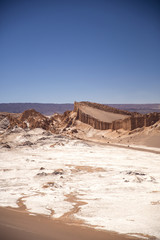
<point>70,124</point>
<point>132,121</point>
<point>32,119</point>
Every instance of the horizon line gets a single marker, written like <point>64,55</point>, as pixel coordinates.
<point>77,101</point>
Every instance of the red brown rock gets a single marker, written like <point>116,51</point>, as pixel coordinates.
<point>32,119</point>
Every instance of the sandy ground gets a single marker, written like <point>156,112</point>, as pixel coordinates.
<point>142,137</point>
<point>79,183</point>
<point>18,225</point>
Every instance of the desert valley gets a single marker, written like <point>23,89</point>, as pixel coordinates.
<point>95,167</point>
<point>80,120</point>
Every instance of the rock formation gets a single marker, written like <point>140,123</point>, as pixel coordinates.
<point>126,120</point>
<point>99,116</point>
<point>32,119</point>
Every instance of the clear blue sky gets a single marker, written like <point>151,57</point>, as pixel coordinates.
<point>105,51</point>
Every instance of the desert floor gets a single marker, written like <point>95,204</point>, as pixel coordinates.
<point>18,225</point>
<point>83,184</point>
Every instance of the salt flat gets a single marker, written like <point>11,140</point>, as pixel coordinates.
<point>105,187</point>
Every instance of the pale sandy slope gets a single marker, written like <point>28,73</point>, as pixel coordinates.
<point>102,115</point>
<point>144,137</point>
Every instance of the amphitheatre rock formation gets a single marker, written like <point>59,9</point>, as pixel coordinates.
<point>103,117</point>
<point>98,116</point>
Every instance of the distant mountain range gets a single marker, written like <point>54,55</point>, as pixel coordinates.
<point>141,108</point>
<point>51,108</point>
<point>44,108</point>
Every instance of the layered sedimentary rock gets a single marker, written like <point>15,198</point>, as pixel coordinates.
<point>104,117</point>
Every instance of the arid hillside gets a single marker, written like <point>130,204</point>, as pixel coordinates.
<point>98,123</point>
<point>104,117</point>
<point>44,108</point>
<point>51,108</point>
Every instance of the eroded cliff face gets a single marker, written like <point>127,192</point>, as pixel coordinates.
<point>144,120</point>
<point>131,122</point>
<point>64,122</point>
<point>32,119</point>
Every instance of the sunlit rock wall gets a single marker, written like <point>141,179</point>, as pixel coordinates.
<point>132,120</point>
